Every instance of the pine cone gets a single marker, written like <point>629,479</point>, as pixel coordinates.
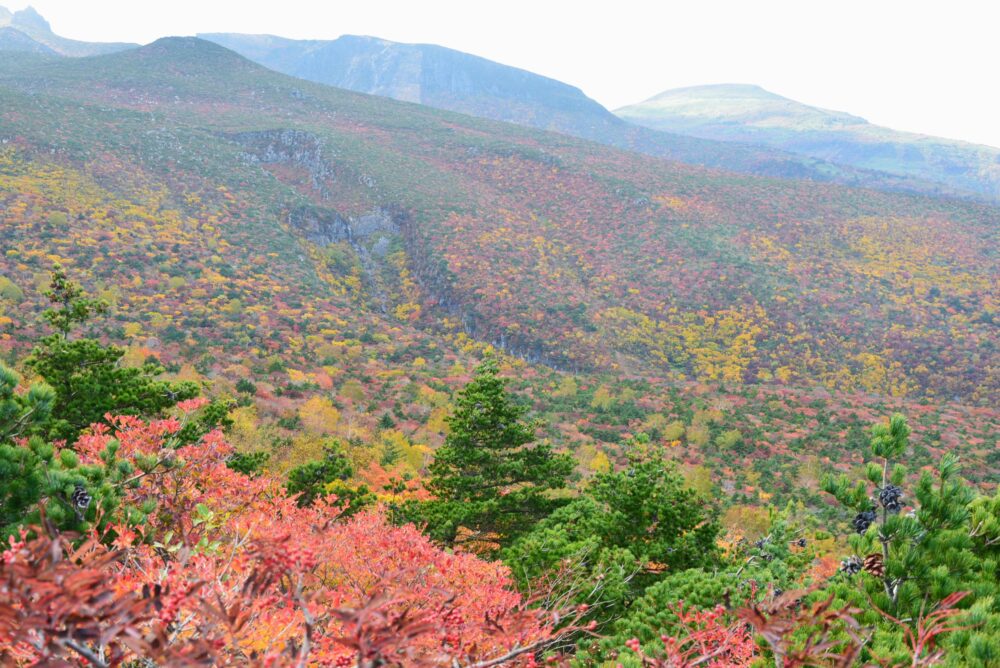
<point>863,520</point>
<point>81,499</point>
<point>874,564</point>
<point>851,565</point>
<point>891,497</point>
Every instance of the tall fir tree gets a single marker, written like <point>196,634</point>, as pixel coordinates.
<point>489,477</point>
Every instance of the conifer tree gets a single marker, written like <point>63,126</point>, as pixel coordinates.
<point>328,476</point>
<point>913,547</point>
<point>623,533</point>
<point>489,477</point>
<point>86,375</point>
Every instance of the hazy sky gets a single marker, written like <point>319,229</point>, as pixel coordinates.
<point>920,65</point>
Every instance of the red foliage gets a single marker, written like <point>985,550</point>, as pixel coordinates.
<point>707,638</point>
<point>230,570</point>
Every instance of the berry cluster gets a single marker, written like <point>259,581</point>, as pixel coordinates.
<point>891,498</point>
<point>863,520</point>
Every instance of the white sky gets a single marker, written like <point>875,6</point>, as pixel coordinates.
<point>920,65</point>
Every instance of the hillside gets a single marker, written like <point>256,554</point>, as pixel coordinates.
<point>292,375</point>
<point>447,79</point>
<point>745,113</point>
<point>353,254</point>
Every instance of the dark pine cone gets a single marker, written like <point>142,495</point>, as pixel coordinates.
<point>81,499</point>
<point>863,520</point>
<point>851,566</point>
<point>890,497</point>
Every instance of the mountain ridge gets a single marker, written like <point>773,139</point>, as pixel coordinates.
<point>748,113</point>
<point>33,26</point>
<point>556,106</point>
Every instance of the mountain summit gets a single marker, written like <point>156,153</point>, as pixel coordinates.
<point>27,31</point>
<point>748,113</point>
<point>428,74</point>
<point>447,79</point>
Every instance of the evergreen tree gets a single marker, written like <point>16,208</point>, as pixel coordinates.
<point>328,476</point>
<point>22,414</point>
<point>489,477</point>
<point>905,562</point>
<point>86,375</point>
<point>625,531</point>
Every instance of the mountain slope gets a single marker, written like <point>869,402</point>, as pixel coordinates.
<point>12,39</point>
<point>34,34</point>
<point>745,113</point>
<point>456,81</point>
<point>345,259</point>
<point>559,250</point>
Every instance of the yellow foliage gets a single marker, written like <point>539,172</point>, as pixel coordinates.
<point>318,415</point>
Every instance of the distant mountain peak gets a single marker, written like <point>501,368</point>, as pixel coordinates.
<point>735,102</point>
<point>721,90</point>
<point>31,19</point>
<point>191,54</point>
<point>33,33</point>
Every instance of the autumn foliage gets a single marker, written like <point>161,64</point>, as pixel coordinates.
<point>231,570</point>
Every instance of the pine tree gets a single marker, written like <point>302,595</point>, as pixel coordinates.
<point>328,476</point>
<point>22,414</point>
<point>906,562</point>
<point>623,533</point>
<point>489,477</point>
<point>85,374</point>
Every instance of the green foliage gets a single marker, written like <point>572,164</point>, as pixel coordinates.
<point>248,463</point>
<point>73,307</point>
<point>486,477</point>
<point>9,291</point>
<point>25,413</point>
<point>246,387</point>
<point>624,532</point>
<point>905,563</point>
<point>329,476</point>
<point>215,415</point>
<point>86,376</point>
<point>74,495</point>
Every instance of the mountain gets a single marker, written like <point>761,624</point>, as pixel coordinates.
<point>27,30</point>
<point>12,39</point>
<point>431,75</point>
<point>448,79</point>
<point>746,113</point>
<point>351,256</point>
<point>561,250</point>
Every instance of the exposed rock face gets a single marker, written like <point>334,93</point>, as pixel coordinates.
<point>34,35</point>
<point>29,18</point>
<point>323,226</point>
<point>288,147</point>
<point>431,75</point>
<point>456,81</point>
<point>319,226</point>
